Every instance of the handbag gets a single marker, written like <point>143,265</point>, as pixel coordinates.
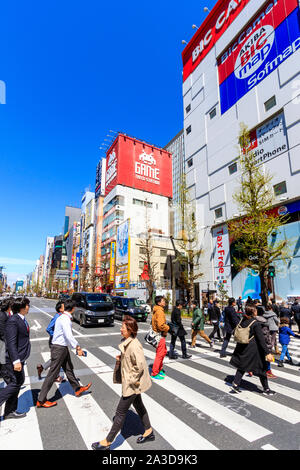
<point>117,377</point>
<point>173,328</point>
<point>153,338</point>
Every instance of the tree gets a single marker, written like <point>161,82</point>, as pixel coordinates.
<point>223,294</point>
<point>257,231</point>
<point>188,253</point>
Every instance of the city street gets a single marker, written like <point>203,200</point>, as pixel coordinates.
<point>192,408</point>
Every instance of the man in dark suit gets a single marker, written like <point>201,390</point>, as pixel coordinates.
<point>4,315</point>
<point>231,319</point>
<point>17,351</point>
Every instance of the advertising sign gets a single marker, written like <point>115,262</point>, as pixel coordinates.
<point>221,254</point>
<point>221,16</point>
<point>100,178</point>
<point>123,243</point>
<point>98,240</point>
<point>112,261</point>
<point>265,43</point>
<point>269,140</point>
<point>136,164</point>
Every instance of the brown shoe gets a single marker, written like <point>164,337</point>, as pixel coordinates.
<point>82,389</point>
<point>46,404</point>
<point>40,369</point>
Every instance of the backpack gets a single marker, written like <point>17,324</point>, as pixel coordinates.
<point>50,327</point>
<point>241,335</point>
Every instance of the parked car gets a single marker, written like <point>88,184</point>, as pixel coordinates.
<point>145,306</point>
<point>93,309</point>
<point>129,306</point>
<point>63,297</point>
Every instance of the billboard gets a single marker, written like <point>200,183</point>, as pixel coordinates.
<point>112,261</point>
<point>269,140</point>
<point>267,41</point>
<point>221,256</point>
<point>216,23</point>
<point>98,237</point>
<point>123,243</point>
<point>100,178</point>
<point>136,164</point>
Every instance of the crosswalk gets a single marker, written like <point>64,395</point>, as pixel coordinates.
<point>193,408</point>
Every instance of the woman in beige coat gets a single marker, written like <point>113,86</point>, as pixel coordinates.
<point>135,380</point>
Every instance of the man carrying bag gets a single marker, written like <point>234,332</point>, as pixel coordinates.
<point>159,325</point>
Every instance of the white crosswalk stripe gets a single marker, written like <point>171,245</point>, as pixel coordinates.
<point>250,422</point>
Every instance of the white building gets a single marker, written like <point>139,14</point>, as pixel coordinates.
<point>48,259</point>
<point>242,66</point>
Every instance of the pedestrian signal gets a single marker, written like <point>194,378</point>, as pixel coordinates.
<point>271,272</point>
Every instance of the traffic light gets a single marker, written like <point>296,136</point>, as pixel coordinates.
<point>271,272</point>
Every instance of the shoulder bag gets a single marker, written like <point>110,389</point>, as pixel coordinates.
<point>117,377</point>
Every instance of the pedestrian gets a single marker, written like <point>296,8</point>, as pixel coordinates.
<point>239,304</point>
<point>252,355</point>
<point>160,326</point>
<point>259,307</point>
<point>178,331</point>
<point>215,315</point>
<point>60,357</point>
<point>285,312</point>
<point>267,335</point>
<point>60,306</point>
<point>231,319</point>
<point>273,323</point>
<point>296,312</point>
<point>285,334</point>
<point>17,352</point>
<point>5,313</point>
<point>198,325</point>
<point>275,307</point>
<point>135,380</point>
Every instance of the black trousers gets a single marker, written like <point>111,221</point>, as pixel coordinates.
<point>215,330</point>
<point>14,381</point>
<point>60,357</point>
<point>239,375</point>
<point>173,342</point>
<point>123,406</point>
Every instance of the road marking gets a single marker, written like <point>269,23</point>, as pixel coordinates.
<point>172,429</point>
<point>23,433</point>
<point>268,447</point>
<point>89,418</point>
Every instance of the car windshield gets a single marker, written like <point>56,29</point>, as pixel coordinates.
<point>98,298</point>
<point>134,303</point>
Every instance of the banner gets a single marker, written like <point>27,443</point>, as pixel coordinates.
<point>265,43</point>
<point>112,261</point>
<point>123,243</point>
<point>221,256</point>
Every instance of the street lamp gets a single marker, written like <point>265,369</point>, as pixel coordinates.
<point>205,9</point>
<point>183,42</point>
<point>195,27</point>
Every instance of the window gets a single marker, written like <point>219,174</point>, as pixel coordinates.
<point>219,213</point>
<point>190,163</point>
<point>212,113</point>
<point>232,168</point>
<point>188,130</point>
<point>138,202</point>
<point>163,252</point>
<point>280,188</point>
<point>270,103</point>
<point>142,250</point>
<point>162,266</point>
<point>141,264</point>
<point>188,108</point>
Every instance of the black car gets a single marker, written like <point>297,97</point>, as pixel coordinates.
<point>93,309</point>
<point>63,297</point>
<point>129,306</point>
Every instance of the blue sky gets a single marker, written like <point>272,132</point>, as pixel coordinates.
<point>73,71</point>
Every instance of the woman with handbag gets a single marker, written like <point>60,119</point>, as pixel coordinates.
<point>177,330</point>
<point>132,371</point>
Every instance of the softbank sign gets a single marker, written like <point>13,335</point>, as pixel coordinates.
<point>265,43</point>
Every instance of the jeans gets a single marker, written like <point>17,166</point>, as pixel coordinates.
<point>285,352</point>
<point>225,343</point>
<point>172,345</point>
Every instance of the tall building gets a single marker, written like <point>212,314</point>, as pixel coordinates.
<point>242,66</point>
<point>176,148</point>
<point>87,227</point>
<point>72,214</point>
<point>47,260</point>
<point>138,189</point>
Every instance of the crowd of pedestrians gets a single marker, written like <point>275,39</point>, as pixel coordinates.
<point>255,329</point>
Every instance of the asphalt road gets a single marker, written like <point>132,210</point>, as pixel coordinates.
<point>192,408</point>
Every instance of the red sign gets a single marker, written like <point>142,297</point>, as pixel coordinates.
<point>133,163</point>
<point>216,23</point>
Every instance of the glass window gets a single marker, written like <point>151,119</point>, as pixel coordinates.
<point>163,252</point>
<point>188,130</point>
<point>188,108</point>
<point>280,188</point>
<point>232,168</point>
<point>212,113</point>
<point>190,163</point>
<point>270,103</point>
<point>218,212</point>
<point>98,298</point>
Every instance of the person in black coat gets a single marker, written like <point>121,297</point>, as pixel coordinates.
<point>17,351</point>
<point>231,319</point>
<point>178,330</point>
<point>252,356</point>
<point>296,312</point>
<point>4,315</point>
<point>214,317</point>
<point>285,312</point>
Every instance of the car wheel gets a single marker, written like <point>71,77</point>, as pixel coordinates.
<point>82,321</point>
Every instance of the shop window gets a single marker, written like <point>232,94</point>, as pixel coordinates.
<point>280,188</point>
<point>270,103</point>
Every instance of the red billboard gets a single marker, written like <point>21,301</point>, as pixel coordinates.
<point>216,23</point>
<point>136,164</point>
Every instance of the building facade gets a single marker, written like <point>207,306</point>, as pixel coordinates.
<point>243,66</point>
